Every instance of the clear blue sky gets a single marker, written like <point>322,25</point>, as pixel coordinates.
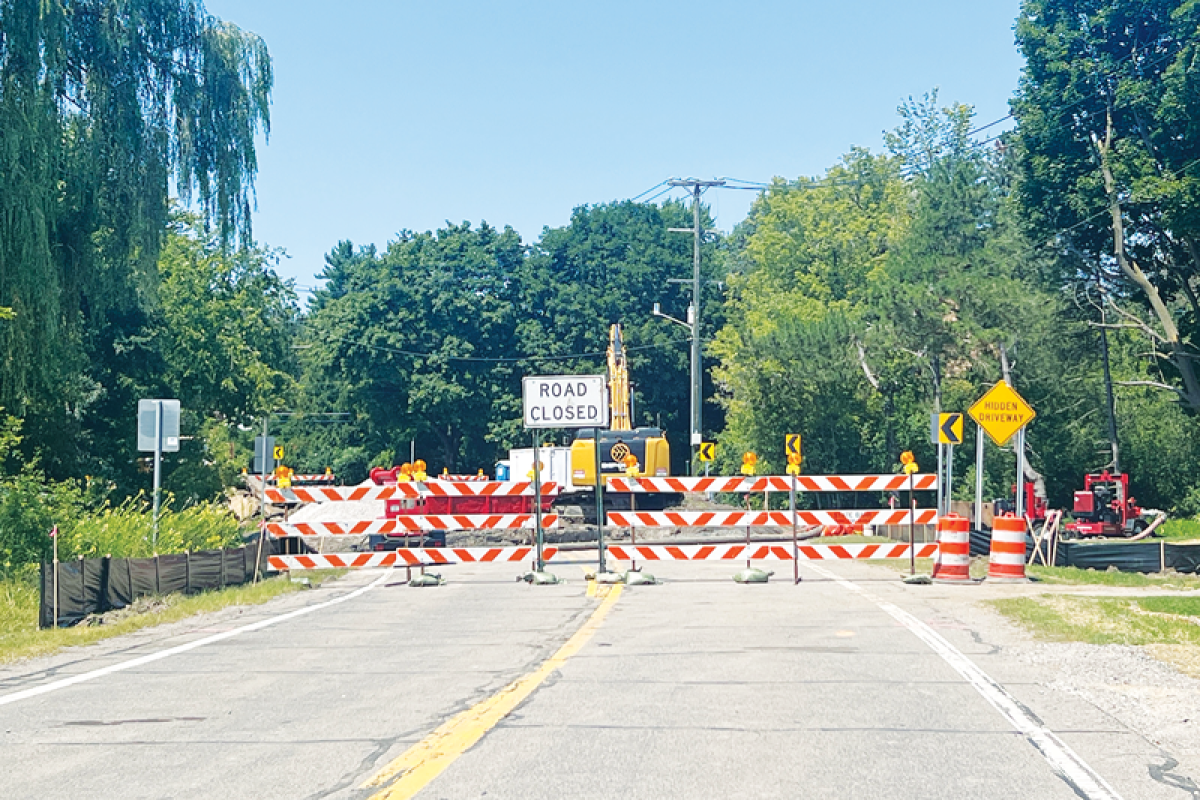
<point>395,115</point>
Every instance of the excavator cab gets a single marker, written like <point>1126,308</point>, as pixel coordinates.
<point>648,445</point>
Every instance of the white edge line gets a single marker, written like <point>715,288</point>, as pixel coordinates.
<point>62,683</point>
<point>1058,753</point>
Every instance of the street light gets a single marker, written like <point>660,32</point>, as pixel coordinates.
<point>693,334</point>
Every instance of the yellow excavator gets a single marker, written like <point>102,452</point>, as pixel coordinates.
<point>621,439</point>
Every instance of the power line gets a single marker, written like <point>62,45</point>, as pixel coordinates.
<point>992,124</point>
<point>648,191</point>
<point>1069,106</point>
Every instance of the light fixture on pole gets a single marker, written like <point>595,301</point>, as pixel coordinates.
<point>696,187</point>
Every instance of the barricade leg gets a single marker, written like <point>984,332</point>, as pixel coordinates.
<point>954,550</point>
<point>1006,561</point>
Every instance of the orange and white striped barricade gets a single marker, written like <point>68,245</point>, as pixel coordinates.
<point>406,557</point>
<point>767,519</point>
<point>412,523</point>
<point>954,550</point>
<point>766,551</point>
<point>773,483</point>
<point>407,490</point>
<point>1006,561</point>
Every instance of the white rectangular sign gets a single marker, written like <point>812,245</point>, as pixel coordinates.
<point>565,401</point>
<point>166,427</point>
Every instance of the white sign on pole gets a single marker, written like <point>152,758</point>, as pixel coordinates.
<point>565,401</point>
<point>151,438</point>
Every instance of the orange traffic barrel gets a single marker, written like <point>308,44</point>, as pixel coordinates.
<point>1006,562</point>
<point>954,550</point>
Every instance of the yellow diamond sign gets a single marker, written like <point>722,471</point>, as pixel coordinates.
<point>1002,412</point>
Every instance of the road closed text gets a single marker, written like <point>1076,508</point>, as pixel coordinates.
<point>587,415</point>
<point>565,401</point>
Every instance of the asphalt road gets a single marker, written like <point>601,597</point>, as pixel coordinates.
<point>849,685</point>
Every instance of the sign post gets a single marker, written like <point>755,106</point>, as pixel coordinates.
<point>54,536</point>
<point>599,502</point>
<point>565,401</point>
<point>791,445</point>
<point>910,468</point>
<point>979,477</point>
<point>537,496</point>
<point>158,433</point>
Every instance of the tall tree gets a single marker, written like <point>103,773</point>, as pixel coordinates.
<point>792,355</point>
<point>416,342</point>
<point>1109,145</point>
<point>104,106</point>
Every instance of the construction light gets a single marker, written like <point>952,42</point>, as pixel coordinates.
<point>631,465</point>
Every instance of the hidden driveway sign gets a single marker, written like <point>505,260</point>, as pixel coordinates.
<point>565,401</point>
<point>1002,412</point>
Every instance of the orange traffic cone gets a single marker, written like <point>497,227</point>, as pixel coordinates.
<point>954,550</point>
<point>1006,561</point>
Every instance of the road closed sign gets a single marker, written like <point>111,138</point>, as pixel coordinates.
<point>565,401</point>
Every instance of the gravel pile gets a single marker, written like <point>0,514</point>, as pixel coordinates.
<point>1145,694</point>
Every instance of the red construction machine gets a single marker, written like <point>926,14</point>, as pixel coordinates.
<point>1035,506</point>
<point>1105,508</point>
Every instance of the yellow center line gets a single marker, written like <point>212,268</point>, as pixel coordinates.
<point>425,760</point>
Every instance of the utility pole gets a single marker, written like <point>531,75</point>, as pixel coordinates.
<point>694,312</point>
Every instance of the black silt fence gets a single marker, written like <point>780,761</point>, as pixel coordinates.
<point>1146,556</point>
<point>96,585</point>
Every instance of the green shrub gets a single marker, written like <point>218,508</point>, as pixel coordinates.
<point>127,530</point>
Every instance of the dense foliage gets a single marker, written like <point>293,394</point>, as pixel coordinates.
<point>104,106</point>
<point>425,344</point>
<point>1061,256</point>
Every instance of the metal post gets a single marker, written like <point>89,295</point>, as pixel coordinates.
<point>158,419</point>
<point>978,477</point>
<point>633,530</point>
<point>599,503</point>
<point>795,537</point>
<point>262,528</point>
<point>747,531</point>
<point>949,476</point>
<point>695,320</point>
<point>941,466</point>
<point>264,470</point>
<point>55,535</point>
<point>912,527</point>
<point>1020,504</point>
<point>537,496</point>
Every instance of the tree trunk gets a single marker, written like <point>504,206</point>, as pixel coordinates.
<point>1185,362</point>
<point>447,442</point>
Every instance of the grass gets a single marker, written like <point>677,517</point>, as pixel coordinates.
<point>21,638</point>
<point>1090,577</point>
<point>1168,627</point>
<point>1180,530</point>
<point>1107,620</point>
<point>1179,606</point>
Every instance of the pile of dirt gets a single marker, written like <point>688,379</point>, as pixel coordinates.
<point>146,604</point>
